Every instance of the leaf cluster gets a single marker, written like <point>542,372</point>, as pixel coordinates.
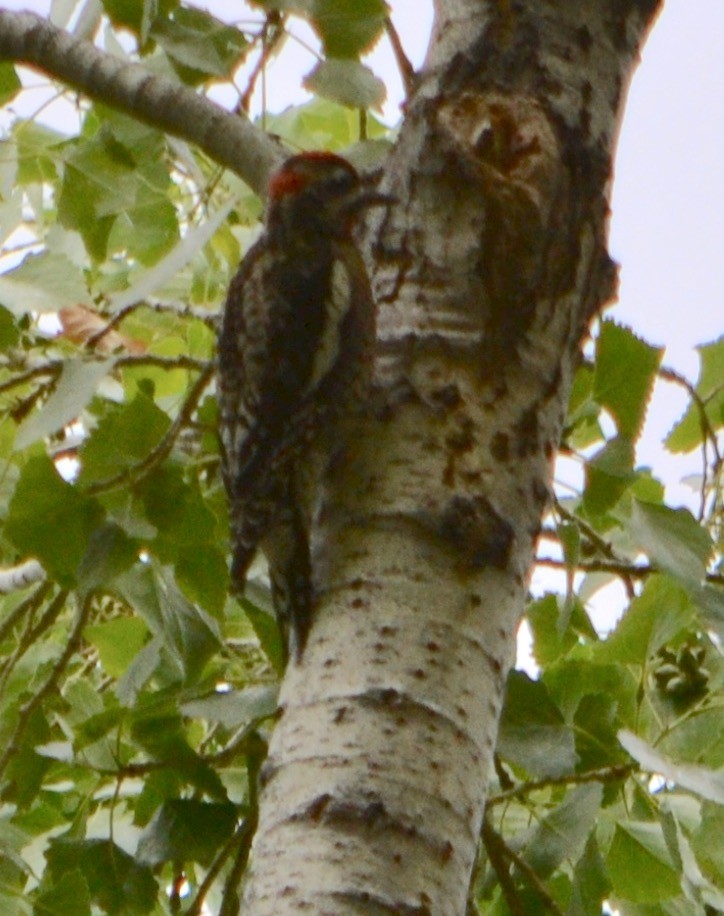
<point>610,758</point>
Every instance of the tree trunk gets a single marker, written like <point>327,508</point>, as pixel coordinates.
<point>487,273</point>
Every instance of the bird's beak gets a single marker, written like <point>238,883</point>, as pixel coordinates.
<point>363,199</point>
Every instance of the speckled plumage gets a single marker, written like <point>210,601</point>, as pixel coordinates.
<point>293,356</point>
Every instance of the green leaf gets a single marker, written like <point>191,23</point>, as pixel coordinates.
<point>595,723</point>
<point>125,13</point>
<point>27,769</point>
<point>572,680</point>
<point>323,124</point>
<point>348,28</point>
<point>258,611</point>
<point>11,214</point>
<point>673,539</point>
<point>117,641</point>
<point>609,473</point>
<point>570,537</point>
<point>97,726</point>
<point>690,432</point>
<point>116,197</point>
<point>146,231</point>
<point>89,178</point>
<point>199,44</point>
<point>235,707</point>
<point>9,331</point>
<point>711,605</point>
<point>348,82</point>
<point>69,896</point>
<point>110,552</point>
<point>42,283</point>
<point>557,628</point>
<point>177,509</point>
<point>123,437</point>
<point>698,739</point>
<point>626,370</point>
<point>581,396</point>
<point>564,831</point>
<point>533,735</point>
<point>137,15</point>
<point>138,673</point>
<point>189,635</point>
<point>38,148</point>
<point>186,830</point>
<point>161,734</point>
<point>202,573</point>
<point>707,844</point>
<point>702,780</point>
<point>116,882</point>
<point>77,384</point>
<point>164,271</point>
<point>10,83</point>
<point>51,520</point>
<point>639,864</point>
<point>654,618</point>
<point>590,882</point>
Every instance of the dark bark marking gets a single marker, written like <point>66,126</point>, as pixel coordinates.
<point>480,536</point>
<point>500,447</point>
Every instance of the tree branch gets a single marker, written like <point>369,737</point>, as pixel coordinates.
<point>528,873</point>
<point>15,578</point>
<point>163,449</point>
<point>50,683</point>
<point>604,775</point>
<point>230,140</point>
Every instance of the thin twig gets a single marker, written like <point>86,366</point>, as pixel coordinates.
<point>494,847</point>
<point>54,367</point>
<point>708,433</point>
<point>30,635</point>
<point>163,449</point>
<point>530,876</point>
<point>182,361</point>
<point>15,381</point>
<point>272,33</point>
<point>602,566</point>
<point>622,570</point>
<point>26,711</point>
<point>603,775</point>
<point>183,311</point>
<point>237,838</point>
<point>600,543</point>
<point>671,375</point>
<point>407,71</point>
<point>27,606</point>
<point>230,895</point>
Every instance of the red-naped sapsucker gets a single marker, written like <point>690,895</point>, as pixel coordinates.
<point>294,355</point>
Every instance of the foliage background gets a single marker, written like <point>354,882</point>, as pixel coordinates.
<point>136,698</point>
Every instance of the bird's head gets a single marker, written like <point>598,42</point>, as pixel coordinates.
<point>319,191</point>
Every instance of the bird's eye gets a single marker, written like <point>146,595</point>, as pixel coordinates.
<point>340,180</point>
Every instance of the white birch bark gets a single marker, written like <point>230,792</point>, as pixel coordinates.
<point>487,273</point>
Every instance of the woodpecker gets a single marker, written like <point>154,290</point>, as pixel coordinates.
<point>294,352</point>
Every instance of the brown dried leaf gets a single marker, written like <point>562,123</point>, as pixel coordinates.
<point>81,324</point>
